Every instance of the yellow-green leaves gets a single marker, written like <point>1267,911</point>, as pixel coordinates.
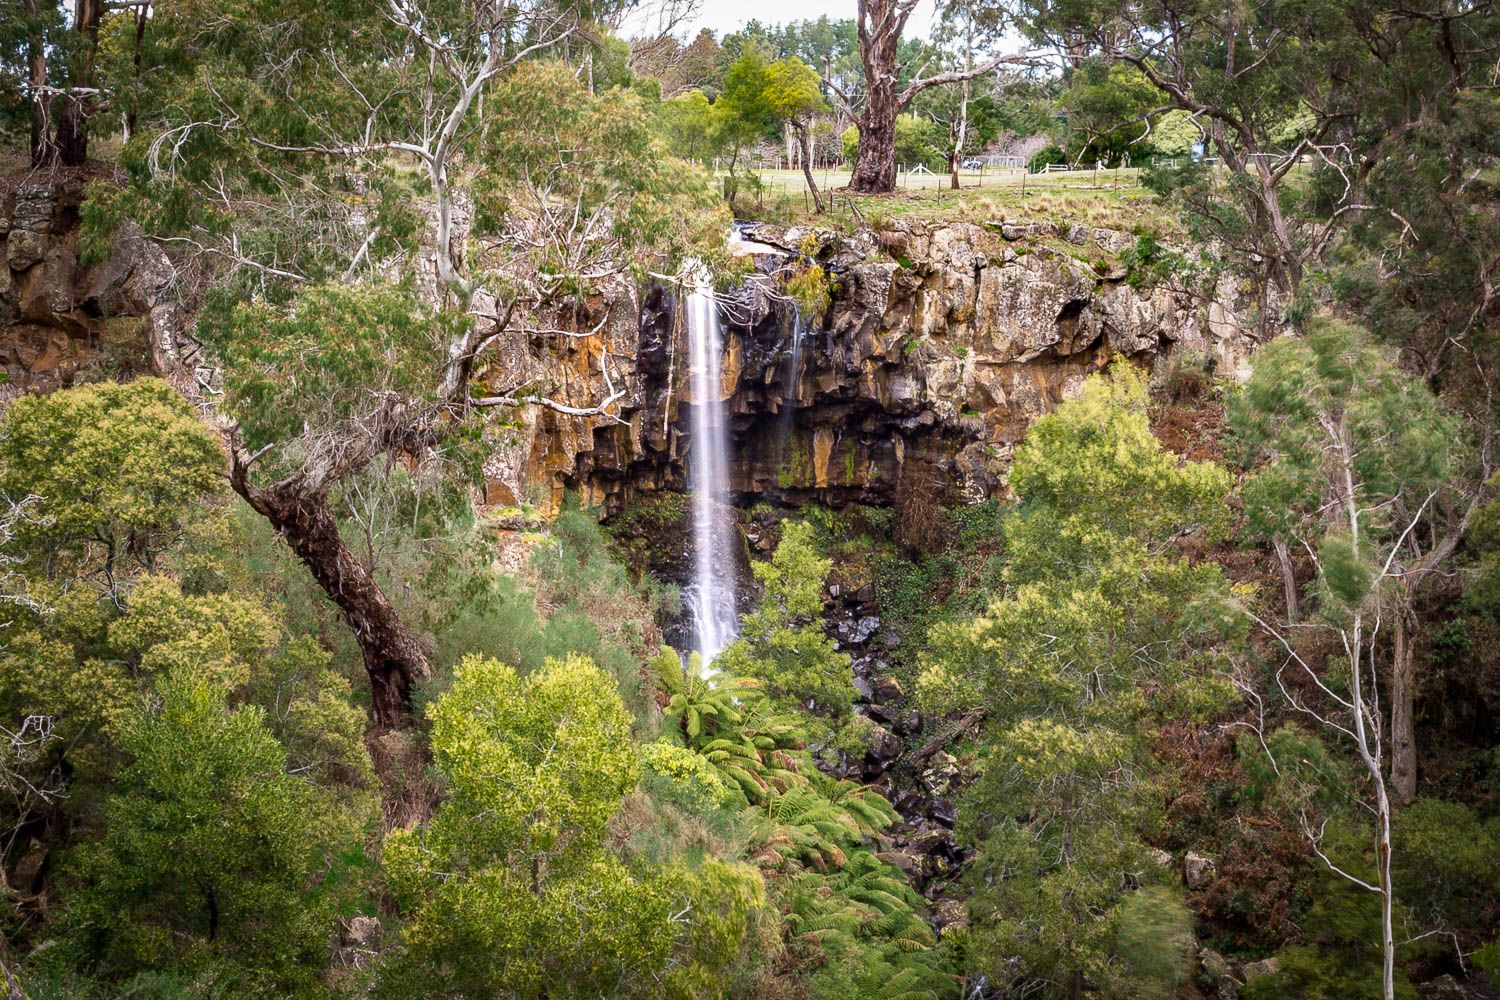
<point>511,891</point>
<point>1092,472</point>
<point>542,759</point>
<point>207,847</point>
<point>122,472</point>
<point>1331,424</point>
<point>782,644</point>
<point>687,777</point>
<point>331,362</point>
<point>1104,632</point>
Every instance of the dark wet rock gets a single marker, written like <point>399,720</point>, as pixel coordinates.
<point>888,689</point>
<point>882,745</point>
<point>933,840</point>
<point>1444,987</point>
<point>863,689</point>
<point>944,812</point>
<point>907,802</point>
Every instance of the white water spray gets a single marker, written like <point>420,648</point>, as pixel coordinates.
<point>711,594</point>
<point>794,368</point>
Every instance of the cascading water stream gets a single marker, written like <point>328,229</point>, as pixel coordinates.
<point>786,419</point>
<point>710,597</point>
<point>795,367</point>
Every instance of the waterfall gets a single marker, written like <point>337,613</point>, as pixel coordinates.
<point>787,418</point>
<point>710,597</point>
<point>795,366</point>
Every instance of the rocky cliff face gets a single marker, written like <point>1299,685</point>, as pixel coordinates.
<point>61,321</point>
<point>940,346</point>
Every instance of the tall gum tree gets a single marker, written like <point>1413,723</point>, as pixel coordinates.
<point>1292,96</point>
<point>880,24</point>
<point>1370,476</point>
<point>426,186</point>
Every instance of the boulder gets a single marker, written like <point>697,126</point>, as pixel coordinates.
<point>887,689</point>
<point>33,209</point>
<point>1198,870</point>
<point>364,932</point>
<point>1258,970</point>
<point>27,876</point>
<point>46,291</point>
<point>907,862</point>
<point>1215,966</point>
<point>882,745</point>
<point>1444,987</point>
<point>933,840</point>
<point>940,773</point>
<point>950,913</point>
<point>24,248</point>
<point>861,629</point>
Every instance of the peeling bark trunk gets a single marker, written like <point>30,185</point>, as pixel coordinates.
<point>42,150</point>
<point>875,162</point>
<point>394,658</point>
<point>1288,577</point>
<point>804,140</point>
<point>1403,722</point>
<point>73,120</point>
<point>880,23</point>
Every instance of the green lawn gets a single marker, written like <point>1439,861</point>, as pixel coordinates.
<point>792,181</point>
<point>1112,199</point>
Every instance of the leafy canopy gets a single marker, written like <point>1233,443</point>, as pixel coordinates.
<point>123,472</point>
<point>1102,632</point>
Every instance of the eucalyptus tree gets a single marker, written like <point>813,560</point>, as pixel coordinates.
<point>1104,632</point>
<point>419,192</point>
<point>48,65</point>
<point>1275,84</point>
<point>1365,471</point>
<point>793,98</point>
<point>880,25</point>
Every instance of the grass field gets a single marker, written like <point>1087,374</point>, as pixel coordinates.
<point>1112,199</point>
<point>792,181</point>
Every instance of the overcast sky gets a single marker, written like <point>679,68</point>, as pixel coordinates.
<point>723,16</point>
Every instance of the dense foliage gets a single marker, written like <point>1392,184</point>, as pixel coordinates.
<point>286,711</point>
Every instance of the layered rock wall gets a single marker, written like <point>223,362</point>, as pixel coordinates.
<point>940,345</point>
<point>61,320</point>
